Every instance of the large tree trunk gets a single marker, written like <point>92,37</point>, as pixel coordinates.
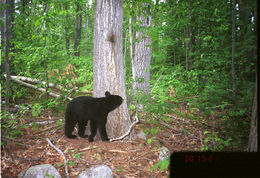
<point>108,61</point>
<point>77,35</point>
<point>252,144</point>
<point>142,57</point>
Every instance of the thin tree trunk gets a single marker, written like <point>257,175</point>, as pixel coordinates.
<point>7,67</point>
<point>108,62</point>
<point>8,16</point>
<point>131,44</point>
<point>191,36</point>
<point>125,49</point>
<point>142,58</point>
<point>233,52</point>
<point>186,52</point>
<point>77,35</point>
<point>66,29</point>
<point>253,137</point>
<point>87,23</point>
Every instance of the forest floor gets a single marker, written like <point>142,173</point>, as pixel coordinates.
<point>133,158</point>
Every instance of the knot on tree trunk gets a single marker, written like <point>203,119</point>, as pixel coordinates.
<point>111,37</point>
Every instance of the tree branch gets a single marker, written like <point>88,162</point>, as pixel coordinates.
<point>156,83</point>
<point>62,154</point>
<point>136,120</point>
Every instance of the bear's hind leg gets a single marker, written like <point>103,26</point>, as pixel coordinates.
<point>69,127</point>
<point>93,130</point>
<point>82,127</point>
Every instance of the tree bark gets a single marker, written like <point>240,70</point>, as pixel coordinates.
<point>253,137</point>
<point>108,62</point>
<point>142,57</point>
<point>77,35</point>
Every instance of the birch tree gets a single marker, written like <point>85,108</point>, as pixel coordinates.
<point>108,61</point>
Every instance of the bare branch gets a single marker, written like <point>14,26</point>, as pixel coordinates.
<point>62,154</point>
<point>156,83</point>
<point>136,120</point>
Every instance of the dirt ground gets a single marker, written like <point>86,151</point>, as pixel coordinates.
<point>132,158</point>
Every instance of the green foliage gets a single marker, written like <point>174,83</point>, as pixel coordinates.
<point>36,109</point>
<point>214,143</point>
<point>72,163</point>
<point>48,175</point>
<point>164,164</point>
<point>152,131</point>
<point>35,126</point>
<point>10,126</point>
<point>60,165</point>
<point>152,139</point>
<point>77,155</point>
<point>59,123</point>
<point>72,151</point>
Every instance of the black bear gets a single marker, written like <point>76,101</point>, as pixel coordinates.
<point>84,108</point>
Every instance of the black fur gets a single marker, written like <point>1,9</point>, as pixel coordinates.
<point>84,108</point>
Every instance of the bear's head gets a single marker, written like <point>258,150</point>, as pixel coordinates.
<point>113,101</point>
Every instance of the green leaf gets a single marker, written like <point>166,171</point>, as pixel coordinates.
<point>34,113</point>
<point>155,167</point>
<point>206,132</point>
<point>164,164</point>
<point>71,163</point>
<point>220,147</point>
<point>77,155</point>
<point>60,165</point>
<point>154,131</point>
<point>149,141</point>
<point>59,123</point>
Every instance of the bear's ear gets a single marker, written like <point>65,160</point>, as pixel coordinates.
<point>107,94</point>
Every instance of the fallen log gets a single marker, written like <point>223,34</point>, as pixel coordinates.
<point>32,80</point>
<point>34,87</point>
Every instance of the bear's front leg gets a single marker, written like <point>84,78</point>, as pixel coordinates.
<point>103,132</point>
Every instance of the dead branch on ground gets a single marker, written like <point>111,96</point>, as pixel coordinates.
<point>62,154</point>
<point>136,120</point>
